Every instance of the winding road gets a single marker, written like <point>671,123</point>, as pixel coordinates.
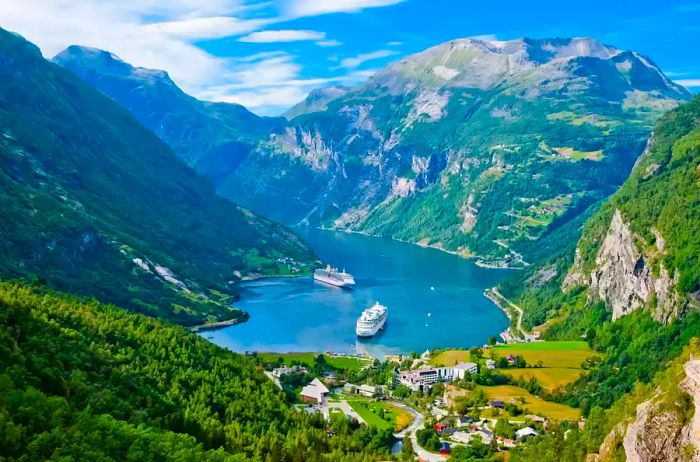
<point>519,323</point>
<point>410,431</point>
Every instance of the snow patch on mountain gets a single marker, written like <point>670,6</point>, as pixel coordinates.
<point>446,73</point>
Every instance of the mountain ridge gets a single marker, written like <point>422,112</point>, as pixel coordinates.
<point>211,137</point>
<point>436,148</point>
<point>102,207</point>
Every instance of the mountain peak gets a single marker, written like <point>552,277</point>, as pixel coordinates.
<point>82,59</point>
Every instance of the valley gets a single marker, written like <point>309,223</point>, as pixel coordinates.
<point>157,249</point>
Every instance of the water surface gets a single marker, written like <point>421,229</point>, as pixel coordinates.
<point>435,300</point>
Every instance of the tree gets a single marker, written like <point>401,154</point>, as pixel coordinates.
<point>407,452</point>
<point>476,353</point>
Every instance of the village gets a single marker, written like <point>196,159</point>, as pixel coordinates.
<point>440,400</point>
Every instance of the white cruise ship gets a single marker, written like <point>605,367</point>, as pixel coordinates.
<point>333,276</point>
<point>371,320</point>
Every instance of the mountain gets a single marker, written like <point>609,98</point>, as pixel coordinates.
<point>472,146</point>
<point>482,148</point>
<point>317,100</point>
<point>95,204</point>
<point>640,250</point>
<point>213,138</point>
<point>631,287</point>
<point>83,381</point>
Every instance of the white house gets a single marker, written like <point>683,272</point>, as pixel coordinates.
<point>460,370</point>
<point>425,377</point>
<point>314,392</point>
<point>367,390</point>
<point>525,433</point>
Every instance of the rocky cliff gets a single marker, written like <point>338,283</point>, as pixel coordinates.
<point>641,248</point>
<point>473,146</point>
<point>624,278</point>
<point>665,427</point>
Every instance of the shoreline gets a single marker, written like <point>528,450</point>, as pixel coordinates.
<point>220,324</point>
<point>475,259</point>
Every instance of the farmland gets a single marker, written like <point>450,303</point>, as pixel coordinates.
<point>532,404</point>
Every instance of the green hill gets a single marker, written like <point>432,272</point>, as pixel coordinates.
<point>630,285</point>
<point>95,204</point>
<point>84,381</point>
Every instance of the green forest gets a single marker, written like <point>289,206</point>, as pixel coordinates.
<point>99,206</point>
<point>84,381</point>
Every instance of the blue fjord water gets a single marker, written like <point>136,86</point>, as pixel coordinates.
<point>298,314</point>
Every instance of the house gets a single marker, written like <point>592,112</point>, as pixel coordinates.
<point>280,371</point>
<point>445,448</point>
<point>461,369</point>
<point>490,364</point>
<point>511,360</point>
<point>465,421</point>
<point>497,403</point>
<point>525,433</point>
<point>296,369</point>
<point>462,437</point>
<point>314,392</point>
<point>367,390</point>
<point>422,379</point>
<point>439,427</point>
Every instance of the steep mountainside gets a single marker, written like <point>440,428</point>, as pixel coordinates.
<point>631,287</point>
<point>316,101</point>
<point>477,147</point>
<point>83,381</point>
<point>642,248</point>
<point>95,204</point>
<point>213,138</point>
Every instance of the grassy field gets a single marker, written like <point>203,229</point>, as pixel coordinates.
<point>363,410</point>
<point>341,362</point>
<point>532,404</point>
<point>561,360</point>
<point>549,377</point>
<point>561,354</point>
<point>395,419</point>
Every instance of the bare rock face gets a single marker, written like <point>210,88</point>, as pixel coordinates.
<point>658,432</point>
<point>576,275</point>
<point>623,278</point>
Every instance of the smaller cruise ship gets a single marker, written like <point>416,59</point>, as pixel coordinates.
<point>371,320</point>
<point>334,277</point>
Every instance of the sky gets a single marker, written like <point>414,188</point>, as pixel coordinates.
<point>268,54</point>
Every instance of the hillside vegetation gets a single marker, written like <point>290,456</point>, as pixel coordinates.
<point>84,381</point>
<point>95,204</point>
<point>631,288</point>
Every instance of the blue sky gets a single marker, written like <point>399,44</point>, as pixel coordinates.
<point>268,54</point>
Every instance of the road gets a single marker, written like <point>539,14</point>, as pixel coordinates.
<point>519,322</point>
<point>346,408</point>
<point>416,424</point>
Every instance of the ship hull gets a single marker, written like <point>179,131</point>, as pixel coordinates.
<point>371,332</point>
<point>334,282</point>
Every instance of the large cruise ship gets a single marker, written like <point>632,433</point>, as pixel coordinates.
<point>333,276</point>
<point>371,320</point>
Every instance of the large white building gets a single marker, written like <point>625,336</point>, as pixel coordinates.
<point>424,378</point>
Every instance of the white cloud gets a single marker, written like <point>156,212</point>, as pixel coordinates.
<point>278,36</point>
<point>298,8</point>
<point>688,82</point>
<point>485,37</point>
<point>362,58</point>
<point>329,43</point>
<point>163,35</point>
<point>394,44</point>
<point>206,28</point>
